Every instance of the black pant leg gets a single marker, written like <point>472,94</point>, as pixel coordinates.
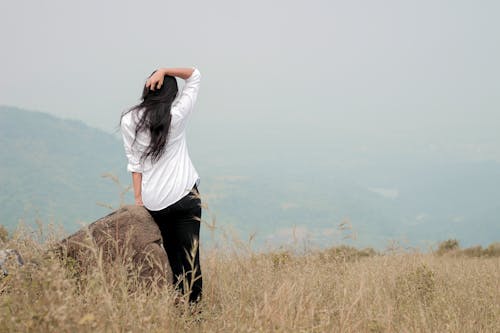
<point>163,219</point>
<point>186,231</point>
<point>179,224</point>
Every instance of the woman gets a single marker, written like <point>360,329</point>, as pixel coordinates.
<point>164,179</point>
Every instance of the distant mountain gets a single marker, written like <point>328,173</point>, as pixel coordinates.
<point>52,170</point>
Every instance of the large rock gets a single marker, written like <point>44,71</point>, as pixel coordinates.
<point>129,235</point>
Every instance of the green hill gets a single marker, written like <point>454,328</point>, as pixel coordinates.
<point>51,169</point>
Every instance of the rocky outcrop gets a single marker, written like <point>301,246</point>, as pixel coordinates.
<point>4,255</point>
<point>128,235</point>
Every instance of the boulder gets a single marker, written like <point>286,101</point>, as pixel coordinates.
<point>128,235</point>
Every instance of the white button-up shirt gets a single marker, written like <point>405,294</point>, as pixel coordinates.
<point>173,175</point>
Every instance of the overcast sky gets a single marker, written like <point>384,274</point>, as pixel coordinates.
<point>278,74</point>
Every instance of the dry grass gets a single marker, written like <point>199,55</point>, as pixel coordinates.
<point>337,290</point>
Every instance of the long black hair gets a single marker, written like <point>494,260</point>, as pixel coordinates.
<point>156,116</point>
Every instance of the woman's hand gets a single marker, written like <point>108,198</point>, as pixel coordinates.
<point>138,201</point>
<point>155,81</point>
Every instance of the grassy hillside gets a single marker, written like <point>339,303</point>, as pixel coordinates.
<point>333,290</point>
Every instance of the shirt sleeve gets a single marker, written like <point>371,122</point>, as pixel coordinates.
<point>133,157</point>
<point>189,94</point>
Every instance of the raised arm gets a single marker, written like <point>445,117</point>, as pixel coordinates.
<point>156,80</point>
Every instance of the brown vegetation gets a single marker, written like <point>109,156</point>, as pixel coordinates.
<point>451,247</point>
<point>341,289</point>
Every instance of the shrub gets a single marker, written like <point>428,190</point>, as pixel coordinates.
<point>280,258</point>
<point>493,250</point>
<point>348,253</point>
<point>417,286</point>
<point>447,246</point>
<point>4,234</point>
<point>474,251</point>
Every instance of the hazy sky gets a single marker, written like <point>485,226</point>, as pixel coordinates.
<point>279,75</point>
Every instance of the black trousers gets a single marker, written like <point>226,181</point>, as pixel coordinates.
<point>179,224</point>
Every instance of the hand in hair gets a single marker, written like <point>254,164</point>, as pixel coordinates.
<point>155,81</point>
